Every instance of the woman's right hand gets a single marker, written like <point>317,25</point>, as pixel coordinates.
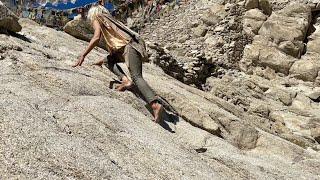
<point>79,62</point>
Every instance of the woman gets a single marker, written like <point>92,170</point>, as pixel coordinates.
<point>124,45</point>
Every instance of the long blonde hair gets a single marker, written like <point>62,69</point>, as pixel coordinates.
<point>96,10</point>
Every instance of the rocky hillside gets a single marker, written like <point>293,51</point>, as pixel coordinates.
<point>269,74</point>
<point>58,122</point>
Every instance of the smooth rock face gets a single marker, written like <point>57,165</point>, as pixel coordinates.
<point>63,122</point>
<point>58,122</point>
<point>8,20</point>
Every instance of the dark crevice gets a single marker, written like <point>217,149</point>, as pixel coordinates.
<point>316,100</point>
<point>201,150</point>
<point>311,29</point>
<point>170,65</point>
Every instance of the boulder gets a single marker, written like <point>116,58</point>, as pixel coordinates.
<point>81,29</point>
<point>245,137</point>
<point>8,20</point>
<point>263,5</point>
<point>253,20</point>
<point>214,15</point>
<point>280,40</point>
<point>281,95</point>
<point>291,49</point>
<point>289,24</point>
<point>260,53</point>
<point>288,28</point>
<point>214,41</point>
<point>302,105</point>
<point>314,43</point>
<point>314,94</point>
<point>306,69</point>
<point>200,31</point>
<point>255,14</point>
<point>296,123</point>
<point>251,4</point>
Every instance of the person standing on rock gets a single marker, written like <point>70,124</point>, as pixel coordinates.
<point>124,45</point>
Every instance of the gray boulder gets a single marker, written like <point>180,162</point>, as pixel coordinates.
<point>251,4</point>
<point>263,5</point>
<point>306,69</point>
<point>81,29</point>
<point>253,20</point>
<point>280,40</point>
<point>8,20</point>
<point>261,53</point>
<point>214,15</point>
<point>288,28</point>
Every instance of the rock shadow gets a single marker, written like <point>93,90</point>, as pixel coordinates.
<point>19,36</point>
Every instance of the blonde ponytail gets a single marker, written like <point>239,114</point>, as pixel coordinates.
<point>96,10</point>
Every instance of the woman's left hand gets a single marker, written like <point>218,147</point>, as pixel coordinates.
<point>99,63</point>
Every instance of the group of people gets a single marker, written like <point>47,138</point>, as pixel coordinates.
<point>50,18</point>
<point>121,10</point>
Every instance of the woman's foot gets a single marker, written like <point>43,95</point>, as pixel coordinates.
<point>125,85</point>
<point>158,111</point>
<point>99,63</point>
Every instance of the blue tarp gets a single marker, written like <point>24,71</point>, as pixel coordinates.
<point>69,5</point>
<point>109,6</point>
<point>71,16</point>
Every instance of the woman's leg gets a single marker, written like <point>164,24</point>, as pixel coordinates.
<point>133,58</point>
<point>111,63</point>
<point>134,61</point>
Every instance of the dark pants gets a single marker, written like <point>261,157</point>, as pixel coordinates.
<point>133,60</point>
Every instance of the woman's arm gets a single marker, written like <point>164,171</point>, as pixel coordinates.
<point>93,42</point>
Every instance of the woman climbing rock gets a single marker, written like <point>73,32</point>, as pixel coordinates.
<point>124,45</point>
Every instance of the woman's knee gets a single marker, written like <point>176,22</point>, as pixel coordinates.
<point>137,78</point>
